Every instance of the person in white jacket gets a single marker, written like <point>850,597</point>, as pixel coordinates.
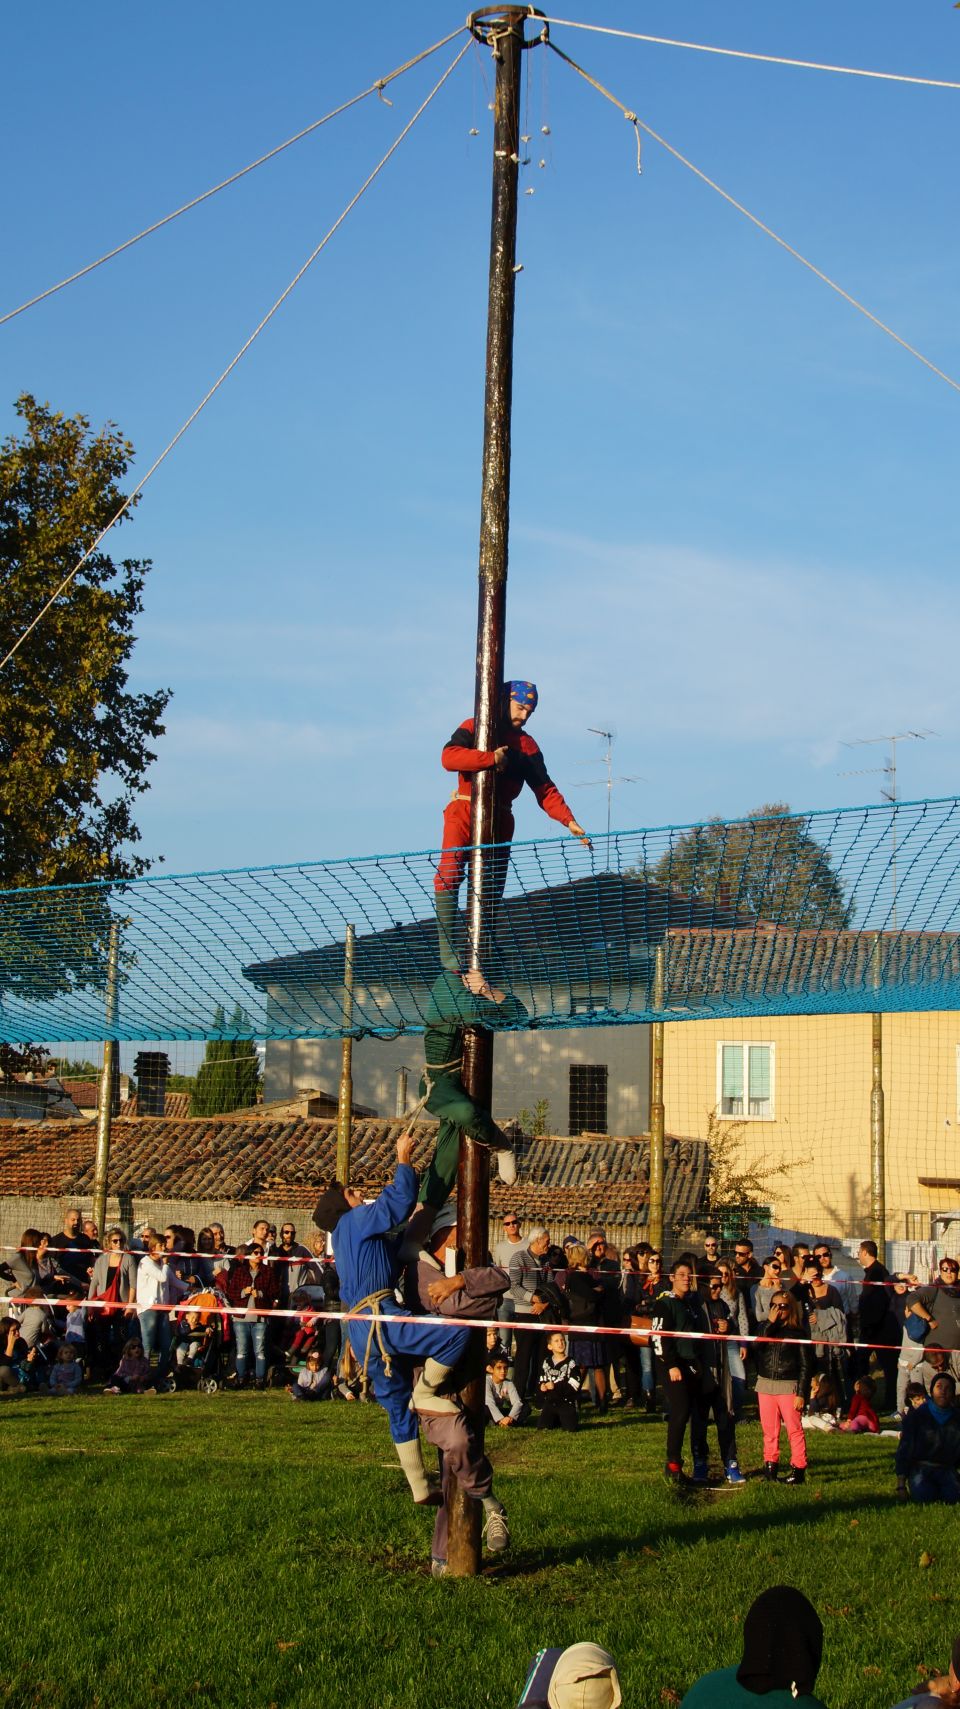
<point>157,1286</point>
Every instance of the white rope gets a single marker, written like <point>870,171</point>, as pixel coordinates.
<point>764,58</point>
<point>760,224</point>
<point>376,88</point>
<point>240,353</point>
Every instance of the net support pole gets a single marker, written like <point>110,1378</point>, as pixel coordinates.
<point>345,1095</point>
<point>401,1103</point>
<point>878,1200</point>
<point>109,1085</point>
<point>655,1205</point>
<point>504,32</point>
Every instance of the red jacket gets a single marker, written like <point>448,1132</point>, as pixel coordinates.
<point>241,1276</point>
<point>525,764</point>
<point>861,1408</point>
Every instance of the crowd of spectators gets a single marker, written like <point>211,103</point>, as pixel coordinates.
<point>719,1330</point>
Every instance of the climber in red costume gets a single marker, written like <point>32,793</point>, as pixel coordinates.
<point>518,761</point>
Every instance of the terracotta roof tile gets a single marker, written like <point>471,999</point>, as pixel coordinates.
<point>288,1163</point>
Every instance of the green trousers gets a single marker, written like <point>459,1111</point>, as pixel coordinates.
<point>458,1114</point>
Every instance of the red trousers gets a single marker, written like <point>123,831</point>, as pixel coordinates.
<point>773,1409</point>
<point>456,839</point>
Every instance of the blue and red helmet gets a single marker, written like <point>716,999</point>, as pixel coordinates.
<point>524,693</point>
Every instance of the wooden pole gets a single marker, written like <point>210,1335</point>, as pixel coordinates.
<point>655,1205</point>
<point>503,31</point>
<point>345,1096</point>
<point>108,1085</point>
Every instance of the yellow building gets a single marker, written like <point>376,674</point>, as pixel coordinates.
<point>797,1091</point>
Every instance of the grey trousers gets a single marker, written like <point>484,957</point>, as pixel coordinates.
<point>462,1461</point>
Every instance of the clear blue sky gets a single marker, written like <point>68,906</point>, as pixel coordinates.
<point>735,529</point>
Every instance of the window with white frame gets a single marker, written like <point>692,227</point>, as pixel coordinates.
<point>745,1081</point>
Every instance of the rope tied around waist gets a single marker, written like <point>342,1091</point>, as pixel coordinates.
<point>373,1300</point>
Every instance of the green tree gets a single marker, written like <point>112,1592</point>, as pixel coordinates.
<point>229,1076</point>
<point>74,741</point>
<point>740,1186</point>
<point>767,864</point>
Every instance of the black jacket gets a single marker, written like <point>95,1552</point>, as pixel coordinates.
<point>784,1361</point>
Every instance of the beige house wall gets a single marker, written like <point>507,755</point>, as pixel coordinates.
<point>821,1119</point>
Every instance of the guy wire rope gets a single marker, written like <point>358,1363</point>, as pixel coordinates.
<point>236,359</point>
<point>811,266</point>
<point>376,88</point>
<point>763,58</point>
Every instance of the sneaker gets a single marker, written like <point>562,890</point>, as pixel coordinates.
<point>770,1471</point>
<point>112,1389</point>
<point>497,1532</point>
<point>438,1568</point>
<point>507,1167</point>
<point>796,1475</point>
<point>150,1390</point>
<point>733,1473</point>
<point>673,1472</point>
<point>701,1472</point>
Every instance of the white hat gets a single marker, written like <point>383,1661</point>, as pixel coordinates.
<point>585,1677</point>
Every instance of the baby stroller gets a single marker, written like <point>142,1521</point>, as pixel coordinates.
<point>201,1342</point>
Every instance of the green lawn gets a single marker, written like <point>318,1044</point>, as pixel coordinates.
<point>240,1550</point>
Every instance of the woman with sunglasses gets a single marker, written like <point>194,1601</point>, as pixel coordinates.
<point>784,1369</point>
<point>114,1284</point>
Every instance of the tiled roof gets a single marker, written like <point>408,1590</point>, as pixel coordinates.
<point>288,1162</point>
<point>763,961</point>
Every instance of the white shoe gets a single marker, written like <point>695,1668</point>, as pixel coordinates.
<point>507,1167</point>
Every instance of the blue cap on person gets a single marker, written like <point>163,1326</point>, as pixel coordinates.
<point>524,693</point>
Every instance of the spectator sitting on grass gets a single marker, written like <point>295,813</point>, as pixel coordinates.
<point>782,1651</point>
<point>824,1404</point>
<point>66,1374</point>
<point>132,1375</point>
<point>861,1415</point>
<point>941,1691</point>
<point>503,1403</point>
<point>928,1454</point>
<point>13,1351</point>
<point>313,1382</point>
<point>585,1677</point>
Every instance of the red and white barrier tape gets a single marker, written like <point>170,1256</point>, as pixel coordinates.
<point>585,1329</point>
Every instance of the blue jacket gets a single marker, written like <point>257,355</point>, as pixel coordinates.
<point>367,1262</point>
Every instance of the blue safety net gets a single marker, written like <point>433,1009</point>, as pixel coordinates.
<point>816,913</point>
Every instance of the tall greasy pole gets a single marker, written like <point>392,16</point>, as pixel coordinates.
<point>503,30</point>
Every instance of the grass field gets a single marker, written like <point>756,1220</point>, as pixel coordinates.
<point>237,1550</point>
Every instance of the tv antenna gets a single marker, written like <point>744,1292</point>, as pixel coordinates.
<point>607,782</point>
<point>888,789</point>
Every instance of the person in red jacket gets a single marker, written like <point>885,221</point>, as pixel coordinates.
<point>518,761</point>
<point>253,1285</point>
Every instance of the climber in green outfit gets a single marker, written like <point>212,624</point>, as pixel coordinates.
<point>457,1001</point>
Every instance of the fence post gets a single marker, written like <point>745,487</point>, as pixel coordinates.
<point>109,1085</point>
<point>878,1197</point>
<point>345,1097</point>
<point>655,1205</point>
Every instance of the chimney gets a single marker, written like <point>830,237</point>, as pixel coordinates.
<point>151,1069</point>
